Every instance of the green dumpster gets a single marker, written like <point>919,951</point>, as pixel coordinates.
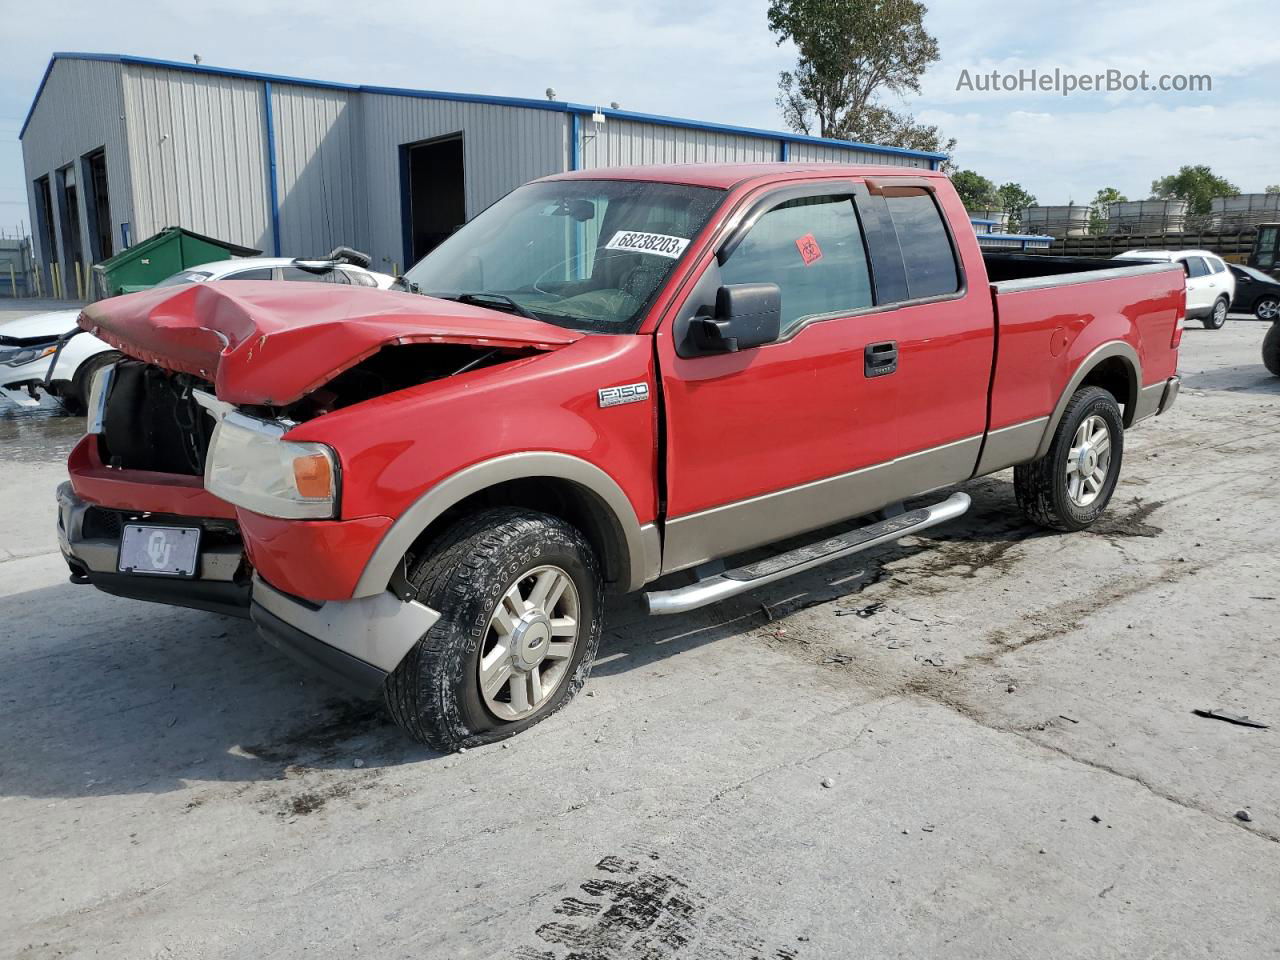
<point>147,263</point>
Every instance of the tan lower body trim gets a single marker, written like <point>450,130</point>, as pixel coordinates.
<point>1149,401</point>
<point>721,531</point>
<point>1013,444</point>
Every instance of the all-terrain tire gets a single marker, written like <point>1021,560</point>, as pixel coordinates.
<point>434,693</point>
<point>1271,350</point>
<point>1041,487</point>
<point>1217,317</point>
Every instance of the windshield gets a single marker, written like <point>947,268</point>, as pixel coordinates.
<point>186,276</point>
<point>585,254</point>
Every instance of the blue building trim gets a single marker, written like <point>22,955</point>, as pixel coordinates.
<point>272,191</point>
<point>574,109</point>
<point>784,150</point>
<point>575,141</point>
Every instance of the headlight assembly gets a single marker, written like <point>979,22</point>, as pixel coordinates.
<point>251,465</point>
<point>27,354</point>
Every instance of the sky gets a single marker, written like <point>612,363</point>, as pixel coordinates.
<point>716,60</point>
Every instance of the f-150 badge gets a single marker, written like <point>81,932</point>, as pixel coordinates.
<point>627,393</point>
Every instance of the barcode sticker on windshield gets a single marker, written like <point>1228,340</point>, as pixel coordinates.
<point>658,243</point>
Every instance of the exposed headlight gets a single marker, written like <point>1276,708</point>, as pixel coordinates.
<point>99,391</point>
<point>27,354</point>
<point>250,465</point>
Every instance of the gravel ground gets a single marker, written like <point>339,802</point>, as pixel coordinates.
<point>973,744</point>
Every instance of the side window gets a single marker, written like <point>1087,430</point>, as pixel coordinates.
<point>357,279</point>
<point>1216,265</point>
<point>927,254</point>
<point>812,249</point>
<point>305,276</point>
<point>260,273</point>
<point>1196,267</point>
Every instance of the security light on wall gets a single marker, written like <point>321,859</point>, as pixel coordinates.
<point>597,117</point>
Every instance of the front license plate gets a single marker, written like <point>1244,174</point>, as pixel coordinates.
<point>160,551</point>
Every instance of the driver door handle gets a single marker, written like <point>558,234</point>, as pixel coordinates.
<point>880,359</point>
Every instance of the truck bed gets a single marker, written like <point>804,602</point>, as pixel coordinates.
<point>1019,270</point>
<point>1044,333</point>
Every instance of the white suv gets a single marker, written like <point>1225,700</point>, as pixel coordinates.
<point>1210,285</point>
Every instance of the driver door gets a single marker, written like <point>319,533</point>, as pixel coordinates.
<point>742,427</point>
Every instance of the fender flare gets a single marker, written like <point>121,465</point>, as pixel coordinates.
<point>1113,348</point>
<point>640,545</point>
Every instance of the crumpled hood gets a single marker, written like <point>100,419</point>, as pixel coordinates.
<point>272,342</point>
<point>50,325</point>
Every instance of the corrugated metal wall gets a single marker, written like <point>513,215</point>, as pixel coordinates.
<point>825,153</point>
<point>193,152</point>
<point>618,143</point>
<point>81,110</point>
<point>198,154</point>
<point>503,147</point>
<point>320,161</point>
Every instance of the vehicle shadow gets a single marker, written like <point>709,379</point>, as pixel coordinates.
<point>103,696</point>
<point>979,539</point>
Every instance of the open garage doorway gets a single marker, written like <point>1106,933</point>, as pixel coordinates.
<point>432,198</point>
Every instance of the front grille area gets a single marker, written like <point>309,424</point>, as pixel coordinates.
<point>152,421</point>
<point>102,524</point>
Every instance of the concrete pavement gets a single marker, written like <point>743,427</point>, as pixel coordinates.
<point>1003,716</point>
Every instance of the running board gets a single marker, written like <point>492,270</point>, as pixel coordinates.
<point>741,579</point>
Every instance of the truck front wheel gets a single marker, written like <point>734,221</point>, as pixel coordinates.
<point>520,598</point>
<point>1070,486</point>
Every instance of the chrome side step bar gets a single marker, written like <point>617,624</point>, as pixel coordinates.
<point>741,579</point>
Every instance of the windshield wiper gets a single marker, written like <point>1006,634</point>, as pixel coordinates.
<point>489,299</point>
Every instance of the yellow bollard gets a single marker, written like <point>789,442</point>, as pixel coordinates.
<point>13,282</point>
<point>395,269</point>
<point>59,287</point>
<point>79,282</point>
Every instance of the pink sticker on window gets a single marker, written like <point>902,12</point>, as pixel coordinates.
<point>810,252</point>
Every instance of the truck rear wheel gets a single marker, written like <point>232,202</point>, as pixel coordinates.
<point>520,598</point>
<point>1070,486</point>
<point>1271,350</point>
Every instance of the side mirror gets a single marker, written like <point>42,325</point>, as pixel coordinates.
<point>747,315</point>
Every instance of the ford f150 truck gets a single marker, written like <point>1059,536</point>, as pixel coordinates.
<point>628,378</point>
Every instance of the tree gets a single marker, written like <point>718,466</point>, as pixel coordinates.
<point>1272,188</point>
<point>850,52</point>
<point>1098,209</point>
<point>976,191</point>
<point>1197,185</point>
<point>1013,200</point>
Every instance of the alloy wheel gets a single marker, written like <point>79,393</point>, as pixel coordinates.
<point>529,643</point>
<point>1088,461</point>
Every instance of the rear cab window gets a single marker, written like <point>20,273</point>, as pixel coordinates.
<point>927,252</point>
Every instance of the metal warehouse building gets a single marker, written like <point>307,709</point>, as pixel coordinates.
<point>117,148</point>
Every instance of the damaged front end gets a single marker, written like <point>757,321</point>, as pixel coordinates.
<point>182,436</point>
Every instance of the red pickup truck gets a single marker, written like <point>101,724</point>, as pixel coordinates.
<point>625,378</point>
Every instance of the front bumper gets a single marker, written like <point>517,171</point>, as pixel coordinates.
<point>354,643</point>
<point>89,538</point>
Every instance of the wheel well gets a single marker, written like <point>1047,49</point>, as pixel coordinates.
<point>1119,379</point>
<point>571,502</point>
